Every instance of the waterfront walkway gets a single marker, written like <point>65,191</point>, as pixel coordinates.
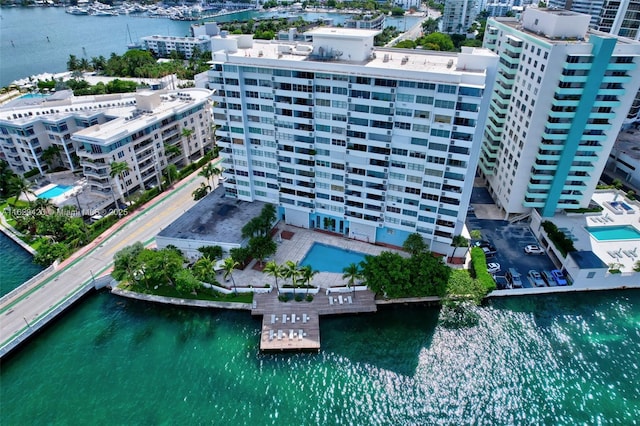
<point>33,304</point>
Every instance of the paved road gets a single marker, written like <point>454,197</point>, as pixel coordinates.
<point>415,31</point>
<point>33,302</point>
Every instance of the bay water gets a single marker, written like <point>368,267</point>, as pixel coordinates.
<point>38,40</point>
<point>16,265</point>
<point>556,359</point>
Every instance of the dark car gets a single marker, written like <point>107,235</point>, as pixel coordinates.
<point>485,244</point>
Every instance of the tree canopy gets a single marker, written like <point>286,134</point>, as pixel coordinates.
<point>395,276</point>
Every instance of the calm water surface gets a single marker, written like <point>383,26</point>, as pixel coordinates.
<point>16,265</point>
<point>569,359</point>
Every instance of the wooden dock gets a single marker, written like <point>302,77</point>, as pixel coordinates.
<point>296,325</point>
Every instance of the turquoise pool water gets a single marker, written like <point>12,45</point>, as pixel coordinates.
<point>33,95</point>
<point>325,258</point>
<point>613,233</point>
<point>55,191</point>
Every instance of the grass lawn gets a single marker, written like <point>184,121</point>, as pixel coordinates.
<point>203,294</point>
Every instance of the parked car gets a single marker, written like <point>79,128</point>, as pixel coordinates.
<point>548,278</point>
<point>513,278</point>
<point>534,249</point>
<point>483,243</point>
<point>558,277</point>
<point>536,278</point>
<point>493,268</point>
<point>489,252</point>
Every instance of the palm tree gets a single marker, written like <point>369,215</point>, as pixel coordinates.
<point>208,171</point>
<point>202,268</point>
<point>187,133</point>
<point>201,192</point>
<point>5,178</point>
<point>50,154</point>
<point>171,173</point>
<point>20,185</point>
<point>229,265</point>
<point>275,270</point>
<point>117,170</point>
<point>292,271</point>
<point>307,273</point>
<point>170,150</point>
<point>351,273</point>
<point>43,205</point>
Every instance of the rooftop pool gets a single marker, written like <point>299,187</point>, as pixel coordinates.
<point>325,258</point>
<point>34,96</point>
<point>614,233</point>
<point>55,191</point>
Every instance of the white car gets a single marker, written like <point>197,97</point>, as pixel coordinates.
<point>493,268</point>
<point>533,249</point>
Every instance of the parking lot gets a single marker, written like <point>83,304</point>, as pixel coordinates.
<point>509,240</point>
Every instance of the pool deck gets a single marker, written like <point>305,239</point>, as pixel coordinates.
<point>615,251</point>
<point>286,336</point>
<point>297,247</point>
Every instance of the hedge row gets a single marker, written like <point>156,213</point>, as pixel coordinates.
<point>479,270</point>
<point>562,243</point>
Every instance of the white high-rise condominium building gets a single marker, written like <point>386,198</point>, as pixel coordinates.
<point>374,144</point>
<point>147,130</point>
<point>593,8</point>
<point>560,98</point>
<point>621,17</point>
<point>458,15</point>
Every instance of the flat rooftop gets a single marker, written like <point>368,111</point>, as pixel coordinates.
<point>58,107</point>
<point>214,218</point>
<point>343,32</point>
<point>517,25</point>
<point>384,58</point>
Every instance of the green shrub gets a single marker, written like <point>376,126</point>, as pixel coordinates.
<point>299,298</point>
<point>309,297</point>
<point>557,237</point>
<point>31,173</point>
<point>283,298</point>
<point>479,270</point>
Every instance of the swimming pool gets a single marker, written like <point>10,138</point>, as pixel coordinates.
<point>55,191</point>
<point>614,233</point>
<point>33,95</point>
<point>325,258</point>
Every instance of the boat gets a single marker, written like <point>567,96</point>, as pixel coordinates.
<point>75,10</point>
<point>132,45</point>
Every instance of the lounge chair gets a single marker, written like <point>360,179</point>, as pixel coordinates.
<point>284,318</point>
<point>330,300</point>
<point>270,335</point>
<point>293,318</point>
<point>291,334</point>
<point>304,318</point>
<point>340,299</point>
<point>273,318</point>
<point>349,299</point>
<point>300,334</point>
<point>279,334</point>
